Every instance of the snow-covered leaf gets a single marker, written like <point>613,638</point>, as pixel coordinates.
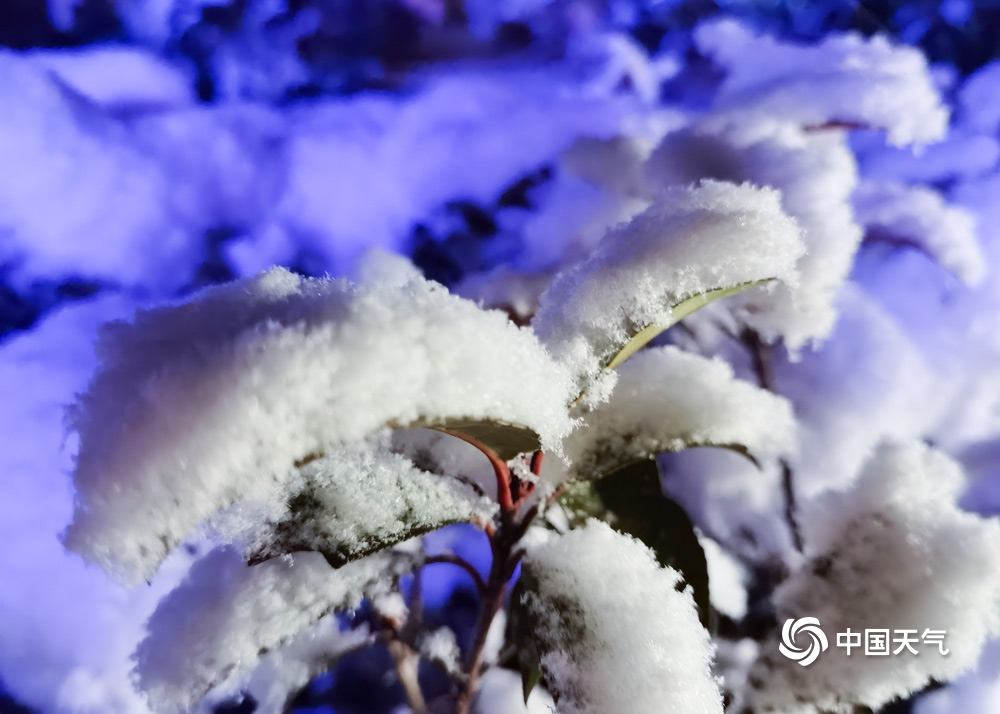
<point>218,400</point>
<point>894,552</point>
<point>918,217</point>
<point>351,504</point>
<point>669,400</point>
<point>846,78</point>
<point>610,629</point>
<point>677,313</point>
<point>506,440</point>
<point>215,626</point>
<point>692,241</point>
<point>631,501</point>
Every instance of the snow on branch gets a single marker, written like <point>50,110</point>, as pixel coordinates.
<point>668,400</point>
<point>844,79</point>
<point>893,552</point>
<point>610,629</point>
<point>691,242</point>
<point>200,405</point>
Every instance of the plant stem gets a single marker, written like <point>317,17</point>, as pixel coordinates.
<point>462,563</point>
<point>496,587</point>
<point>407,665</point>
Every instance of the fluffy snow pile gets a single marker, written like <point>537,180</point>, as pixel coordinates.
<point>690,242</point>
<point>217,400</point>
<point>843,78</point>
<point>885,555</point>
<point>919,216</point>
<point>612,631</point>
<point>815,174</point>
<point>668,400</point>
<point>347,505</point>
<point>218,623</point>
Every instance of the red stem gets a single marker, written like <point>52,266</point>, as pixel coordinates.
<point>500,470</point>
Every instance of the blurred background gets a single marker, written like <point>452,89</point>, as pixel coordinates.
<point>149,148</point>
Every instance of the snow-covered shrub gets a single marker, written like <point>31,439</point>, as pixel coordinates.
<point>330,453</point>
<point>258,414</point>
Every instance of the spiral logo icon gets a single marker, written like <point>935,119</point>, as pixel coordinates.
<point>817,640</point>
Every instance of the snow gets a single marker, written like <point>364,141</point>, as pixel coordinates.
<point>888,548</point>
<point>919,216</point>
<point>119,77</point>
<point>500,693</point>
<point>977,100</point>
<point>842,78</point>
<point>668,400</point>
<point>202,404</point>
<point>690,241</point>
<point>727,580</point>
<point>67,632</point>
<point>349,503</point>
<point>975,693</point>
<point>815,175</point>
<point>139,174</point>
<point>219,621</point>
<point>612,631</point>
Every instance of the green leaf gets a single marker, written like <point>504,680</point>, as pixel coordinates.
<point>520,632</point>
<point>678,313</point>
<point>632,501</point>
<point>505,439</point>
<point>355,503</point>
<point>605,461</point>
<point>529,679</point>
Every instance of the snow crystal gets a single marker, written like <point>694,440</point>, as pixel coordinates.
<point>690,241</point>
<point>843,78</point>
<point>202,404</point>
<point>219,621</point>
<point>886,550</point>
<point>668,400</point>
<point>615,635</point>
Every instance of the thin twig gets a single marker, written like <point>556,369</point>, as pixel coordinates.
<point>788,489</point>
<point>463,564</point>
<point>763,362</point>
